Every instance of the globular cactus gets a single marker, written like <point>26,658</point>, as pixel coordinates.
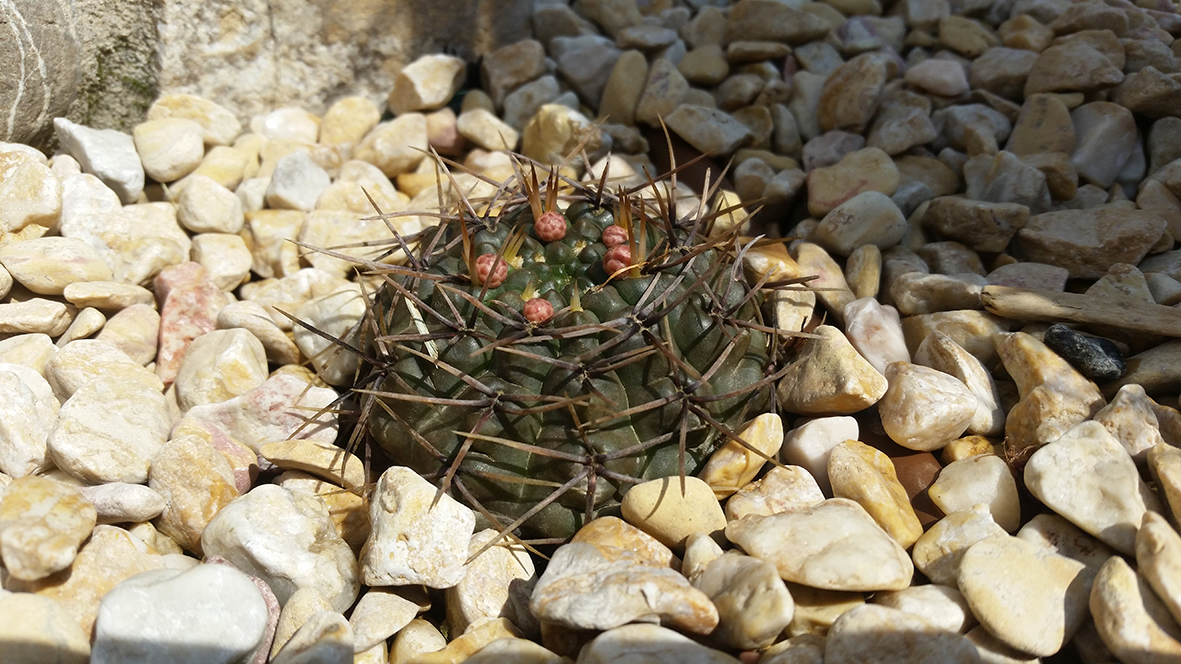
<point>536,363</point>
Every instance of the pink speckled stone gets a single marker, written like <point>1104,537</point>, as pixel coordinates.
<point>190,302</point>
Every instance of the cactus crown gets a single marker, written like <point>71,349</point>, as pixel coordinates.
<point>535,362</point>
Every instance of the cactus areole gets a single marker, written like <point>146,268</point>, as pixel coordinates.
<point>619,345</point>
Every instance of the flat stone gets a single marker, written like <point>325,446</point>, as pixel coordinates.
<point>867,476</point>
<point>325,637</point>
<point>1149,92</point>
<point>427,83</point>
<point>828,377</point>
<point>1002,71</point>
<point>109,429</point>
<point>218,366</point>
<point>782,489</point>
<point>521,104</point>
<point>287,539</point>
<point>381,613</point>
<point>583,588</point>
<point>348,120</point>
<point>225,257</point>
<point>39,629</point>
<point>709,130</point>
<point>196,482</point>
<point>869,169</point>
<point>396,146</point>
<point>417,638</point>
<point>27,416</point>
<point>754,606</point>
<point>832,289</point>
<point>835,545</point>
<point>972,330</point>
<point>219,124</point>
<point>487,131</point>
<point>979,479</point>
<point>867,218</point>
<point>106,153</point>
<point>1158,558</point>
<point>1004,178</point>
<point>864,633</point>
<point>661,509</point>
<point>585,63</point>
<point>830,147</point>
<point>899,127</point>
<point>210,613</point>
<point>425,643</point>
<point>1105,138</point>
<point>650,643</point>
<point>1130,619</point>
<point>1037,276</point>
<point>554,131</point>
<point>939,551</point>
<point>734,464</point>
<point>321,459</point>
<point>1089,242</point>
<point>169,149</point>
<point>510,66</point>
<point>43,522</point>
<point>253,318</point>
<point>514,650</point>
<point>1131,420</point>
<point>34,316</point>
<point>1027,596</point>
<point>418,536</point>
<point>942,606</point>
<point>282,408</point>
<point>135,331</point>
<point>876,332</point>
<point>851,94</point>
<point>937,76</point>
<point>499,582</point>
<point>1066,476</point>
<point>610,532</point>
<point>942,353</point>
<point>924,409</point>
<point>663,91</point>
<point>1074,65</point>
<point>120,502</point>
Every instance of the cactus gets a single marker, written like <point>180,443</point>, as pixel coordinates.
<point>535,363</point>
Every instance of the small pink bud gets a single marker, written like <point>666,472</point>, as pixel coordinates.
<point>550,227</point>
<point>617,258</point>
<point>538,310</point>
<point>486,274</point>
<point>614,235</point>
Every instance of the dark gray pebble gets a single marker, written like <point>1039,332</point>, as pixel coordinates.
<point>1097,359</point>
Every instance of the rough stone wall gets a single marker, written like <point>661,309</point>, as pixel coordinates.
<point>117,61</point>
<point>39,77</point>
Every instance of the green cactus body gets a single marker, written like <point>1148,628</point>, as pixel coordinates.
<point>630,378</point>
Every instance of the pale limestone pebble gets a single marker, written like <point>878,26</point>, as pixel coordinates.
<point>189,304</point>
<point>348,120</point>
<point>253,194</point>
<point>835,545</point>
<point>196,482</point>
<point>582,588</point>
<point>325,637</point>
<point>209,613</point>
<point>923,408</point>
<point>607,532</point>
<point>1130,618</point>
<point>981,225</point>
<point>204,206</point>
<point>1164,463</point>
<point>832,289</point>
<point>298,609</point>
<point>1165,289</point>
<point>514,649</point>
<point>1158,558</point>
<point>296,183</point>
<point>135,331</point>
<point>349,511</point>
<point>1089,242</point>
<point>287,539</point>
<point>817,610</point>
<point>427,83</point>
<point>109,427</point>
<point>282,408</point>
<point>875,330</point>
<point>917,293</point>
<point>219,125</point>
<point>244,463</point>
<point>336,315</point>
<point>47,265</point>
<point>867,476</point>
<point>1105,136</point>
<point>395,146</point>
<point>251,316</point>
<point>868,169</point>
<point>378,654</point>
<point>106,153</point>
<point>267,232</point>
<point>709,130</point>
<point>227,166</point>
<point>873,633</point>
<point>662,509</point>
<point>979,479</point>
<point>39,629</point>
<point>753,604</point>
<point>156,540</point>
<point>106,295</point>
<point>290,292</point>
<point>938,76</point>
<point>1168,422</point>
<point>863,271</point>
<point>35,316</point>
<point>225,257</point>
<point>852,92</point>
<point>341,232</point>
<point>287,124</point>
<point>355,180</point>
<point>941,353</point>
<point>42,524</point>
<point>419,637</point>
<point>487,131</point>
<point>145,238</point>
<point>1088,477</point>
<point>700,551</point>
<point>26,419</point>
<point>30,193</point>
<point>870,217</point>
<point>994,651</point>
<point>88,207</point>
<point>321,459</point>
<point>663,90</point>
<point>381,613</point>
<point>938,552</point>
<point>218,366</point>
<point>169,149</point>
<point>1131,420</point>
<point>110,556</point>
<point>810,445</point>
<point>120,502</point>
<point>829,377</point>
<point>1030,363</point>
<point>418,537</point>
<point>782,489</point>
<point>942,606</point>
<point>459,649</point>
<point>498,583</point>
<point>521,104</point>
<point>735,464</point>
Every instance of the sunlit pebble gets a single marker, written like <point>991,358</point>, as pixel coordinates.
<point>550,226</point>
<point>614,236</point>
<point>486,275</point>
<point>617,258</point>
<point>538,310</point>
